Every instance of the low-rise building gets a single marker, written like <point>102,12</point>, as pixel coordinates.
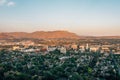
<point>63,50</point>
<point>16,47</point>
<point>93,49</point>
<point>74,46</point>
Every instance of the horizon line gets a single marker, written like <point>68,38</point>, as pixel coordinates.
<point>56,30</point>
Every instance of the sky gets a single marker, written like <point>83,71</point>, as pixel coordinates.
<point>83,17</point>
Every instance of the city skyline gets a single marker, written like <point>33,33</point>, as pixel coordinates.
<point>83,17</point>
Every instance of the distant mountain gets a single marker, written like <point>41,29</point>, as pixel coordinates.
<point>108,37</point>
<point>38,35</point>
<point>99,37</point>
<point>50,35</point>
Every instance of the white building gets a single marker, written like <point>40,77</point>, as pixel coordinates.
<point>87,46</point>
<point>82,48</point>
<point>93,49</point>
<point>117,52</point>
<point>63,50</point>
<point>51,49</point>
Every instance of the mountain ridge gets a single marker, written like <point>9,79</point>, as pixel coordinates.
<point>38,35</point>
<point>50,34</point>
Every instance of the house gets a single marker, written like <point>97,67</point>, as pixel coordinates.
<point>63,50</point>
<point>74,46</point>
<point>15,48</point>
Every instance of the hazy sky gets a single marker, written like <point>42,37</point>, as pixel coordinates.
<point>84,17</point>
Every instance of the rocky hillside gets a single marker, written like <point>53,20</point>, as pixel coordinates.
<point>38,35</point>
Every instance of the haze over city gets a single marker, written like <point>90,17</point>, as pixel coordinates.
<point>83,17</point>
